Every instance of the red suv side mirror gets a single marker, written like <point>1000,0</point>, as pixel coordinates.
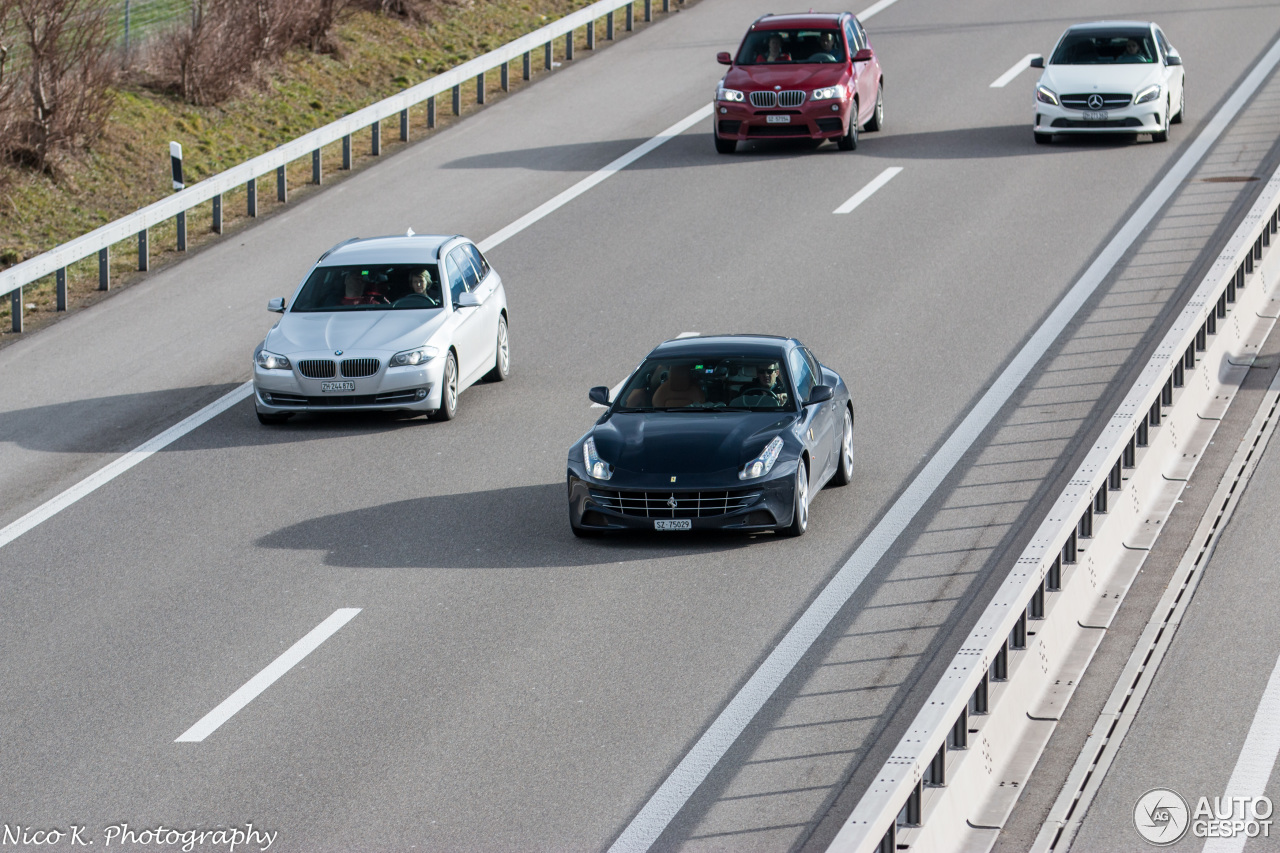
<point>864,55</point>
<point>724,58</point>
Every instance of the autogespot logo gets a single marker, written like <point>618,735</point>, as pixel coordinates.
<point>1161,816</point>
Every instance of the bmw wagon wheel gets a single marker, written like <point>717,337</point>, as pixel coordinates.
<point>877,117</point>
<point>849,142</point>
<point>844,472</point>
<point>800,515</point>
<point>1163,135</point>
<point>502,362</point>
<point>449,393</point>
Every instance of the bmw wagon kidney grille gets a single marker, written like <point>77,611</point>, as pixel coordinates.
<point>667,504</point>
<point>1106,101</point>
<point>355,367</point>
<point>319,368</point>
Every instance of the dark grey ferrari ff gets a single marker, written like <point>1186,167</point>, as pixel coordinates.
<point>733,432</point>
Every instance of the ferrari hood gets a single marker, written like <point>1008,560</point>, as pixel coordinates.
<point>686,442</point>
<point>353,330</point>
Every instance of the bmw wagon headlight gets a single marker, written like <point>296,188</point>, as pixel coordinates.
<point>271,361</point>
<point>763,463</point>
<point>409,358</point>
<point>724,94</point>
<point>1045,95</point>
<point>827,93</point>
<point>597,468</point>
<point>1148,94</point>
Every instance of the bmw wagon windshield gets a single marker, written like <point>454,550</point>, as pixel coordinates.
<point>753,383</point>
<point>367,287</point>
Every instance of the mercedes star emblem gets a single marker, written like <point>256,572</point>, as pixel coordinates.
<point>1095,102</point>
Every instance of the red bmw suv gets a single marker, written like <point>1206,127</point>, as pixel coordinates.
<point>810,76</point>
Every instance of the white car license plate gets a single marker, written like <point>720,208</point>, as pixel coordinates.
<point>1095,115</point>
<point>672,524</point>
<point>337,386</point>
<point>778,119</point>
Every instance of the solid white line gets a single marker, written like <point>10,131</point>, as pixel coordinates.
<point>591,180</point>
<point>869,190</point>
<point>114,469</point>
<point>1257,758</point>
<point>676,790</point>
<point>874,8</point>
<point>209,722</point>
<point>1021,65</point>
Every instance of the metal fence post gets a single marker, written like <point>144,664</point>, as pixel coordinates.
<point>251,204</point>
<point>404,125</point>
<point>591,35</point>
<point>317,174</point>
<point>568,45</point>
<point>547,50</point>
<point>180,225</point>
<point>282,185</point>
<point>15,306</point>
<point>648,11</point>
<point>61,287</point>
<point>666,6</point>
<point>631,17</point>
<point>144,254</point>
<point>104,268</point>
<point>431,112</point>
<point>457,100</point>
<point>608,27</point>
<point>528,64</point>
<point>346,151</point>
<point>375,138</point>
<point>480,89</point>
<point>217,213</point>
<point>506,77</point>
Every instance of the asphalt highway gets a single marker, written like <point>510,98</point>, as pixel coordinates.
<point>503,685</point>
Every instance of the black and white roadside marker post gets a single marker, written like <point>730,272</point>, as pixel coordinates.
<point>175,162</point>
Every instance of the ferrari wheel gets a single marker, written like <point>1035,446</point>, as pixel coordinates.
<point>844,471</point>
<point>800,515</point>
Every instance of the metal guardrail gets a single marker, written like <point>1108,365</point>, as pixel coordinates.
<point>100,240</point>
<point>956,773</point>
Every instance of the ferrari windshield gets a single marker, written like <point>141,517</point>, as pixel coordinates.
<point>755,383</point>
<point>1105,47</point>
<point>370,287</point>
<point>771,47</point>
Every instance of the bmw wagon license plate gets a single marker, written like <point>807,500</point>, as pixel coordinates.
<point>777,119</point>
<point>337,386</point>
<point>672,524</point>
<point>1095,115</point>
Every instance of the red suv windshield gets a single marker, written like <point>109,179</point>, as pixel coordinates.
<point>770,47</point>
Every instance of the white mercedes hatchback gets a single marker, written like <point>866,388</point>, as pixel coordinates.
<point>386,324</point>
<point>1109,77</point>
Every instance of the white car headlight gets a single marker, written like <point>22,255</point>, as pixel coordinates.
<point>829,92</point>
<point>723,94</point>
<point>271,361</point>
<point>763,463</point>
<point>1045,95</point>
<point>597,468</point>
<point>1148,94</point>
<point>408,358</point>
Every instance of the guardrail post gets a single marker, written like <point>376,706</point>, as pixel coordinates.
<point>1018,638</point>
<point>528,64</point>
<point>505,79</point>
<point>666,6</point>
<point>648,11</point>
<point>911,811</point>
<point>568,45</point>
<point>1084,530</point>
<point>1141,437</point>
<point>282,185</point>
<point>431,112</point>
<point>346,152</point>
<point>1178,376</point>
<point>1166,396</point>
<point>1248,263</point>
<point>1153,416</point>
<point>937,776</point>
<point>608,27</point>
<point>375,138</point>
<point>1189,357</point>
<point>1222,307</point>
<point>181,227</point>
<point>1202,334</point>
<point>61,287</point>
<point>217,213</point>
<point>1053,580</point>
<point>15,307</point>
<point>317,173</point>
<point>1068,557</point>
<point>591,36</point>
<point>1036,609</point>
<point>978,701</point>
<point>1114,479</point>
<point>144,254</point>
<point>958,737</point>
<point>631,17</point>
<point>1000,666</point>
<point>547,51</point>
<point>404,125</point>
<point>1257,249</point>
<point>1099,505</point>
<point>251,203</point>
<point>104,268</point>
<point>889,844</point>
<point>457,100</point>
<point>480,89</point>
<point>1240,278</point>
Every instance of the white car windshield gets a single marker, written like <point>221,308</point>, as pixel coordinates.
<point>1109,47</point>
<point>771,47</point>
<point>753,383</point>
<point>370,287</point>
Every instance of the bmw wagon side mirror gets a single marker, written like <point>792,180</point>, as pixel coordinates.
<point>724,58</point>
<point>599,394</point>
<point>820,394</point>
<point>276,306</point>
<point>1037,62</point>
<point>864,55</point>
<point>1173,59</point>
<point>467,299</point>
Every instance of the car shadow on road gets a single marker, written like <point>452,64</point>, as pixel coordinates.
<point>513,528</point>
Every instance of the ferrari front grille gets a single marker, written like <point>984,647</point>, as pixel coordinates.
<point>667,504</point>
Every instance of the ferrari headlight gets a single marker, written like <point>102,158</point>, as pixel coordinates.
<point>409,358</point>
<point>597,468</point>
<point>1045,95</point>
<point>723,94</point>
<point>271,361</point>
<point>1148,94</point>
<point>763,463</point>
<point>827,93</point>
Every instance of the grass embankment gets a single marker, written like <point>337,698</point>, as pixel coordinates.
<point>129,167</point>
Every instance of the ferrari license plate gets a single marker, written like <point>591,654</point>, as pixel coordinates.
<point>337,386</point>
<point>1095,115</point>
<point>778,119</point>
<point>672,524</point>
